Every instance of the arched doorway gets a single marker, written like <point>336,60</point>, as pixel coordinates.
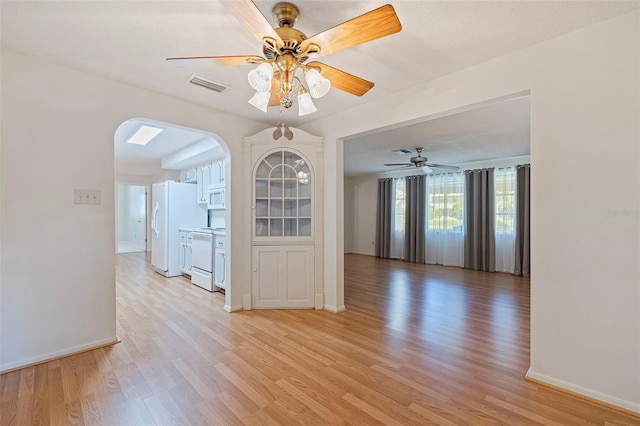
<point>173,153</point>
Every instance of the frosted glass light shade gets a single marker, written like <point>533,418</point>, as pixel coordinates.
<point>260,100</point>
<point>318,85</point>
<point>260,77</point>
<point>305,104</point>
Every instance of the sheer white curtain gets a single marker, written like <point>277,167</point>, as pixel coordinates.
<point>505,207</point>
<point>397,213</point>
<point>444,238</point>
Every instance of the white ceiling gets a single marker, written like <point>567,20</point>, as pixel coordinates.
<point>497,130</point>
<point>175,148</point>
<point>128,41</point>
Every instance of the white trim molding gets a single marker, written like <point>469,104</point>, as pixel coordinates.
<point>610,400</point>
<point>5,368</point>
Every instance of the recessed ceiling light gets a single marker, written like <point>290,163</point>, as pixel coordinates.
<point>144,134</point>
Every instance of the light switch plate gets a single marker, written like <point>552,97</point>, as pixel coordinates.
<point>87,196</point>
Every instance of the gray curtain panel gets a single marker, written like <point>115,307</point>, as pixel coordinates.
<point>384,221</point>
<point>480,239</point>
<point>414,229</point>
<point>523,223</point>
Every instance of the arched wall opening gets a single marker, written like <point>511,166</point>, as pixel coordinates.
<point>177,149</point>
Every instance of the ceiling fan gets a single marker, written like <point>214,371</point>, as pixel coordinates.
<point>420,161</point>
<point>287,50</point>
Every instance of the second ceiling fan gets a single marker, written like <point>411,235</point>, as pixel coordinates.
<point>419,161</point>
<point>287,50</point>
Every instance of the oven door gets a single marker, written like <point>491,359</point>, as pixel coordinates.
<point>202,251</point>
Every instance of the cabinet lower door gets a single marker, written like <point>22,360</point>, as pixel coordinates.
<point>220,272</point>
<point>283,277</point>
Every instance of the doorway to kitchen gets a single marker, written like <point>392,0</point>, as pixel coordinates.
<point>131,218</point>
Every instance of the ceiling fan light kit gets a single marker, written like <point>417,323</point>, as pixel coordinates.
<point>318,85</point>
<point>260,100</point>
<point>305,104</point>
<point>287,49</point>
<point>260,78</point>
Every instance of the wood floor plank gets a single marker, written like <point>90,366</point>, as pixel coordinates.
<point>418,345</point>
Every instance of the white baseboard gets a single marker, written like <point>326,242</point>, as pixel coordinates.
<point>362,253</point>
<point>586,392</point>
<point>229,308</point>
<point>335,310</point>
<point>5,368</point>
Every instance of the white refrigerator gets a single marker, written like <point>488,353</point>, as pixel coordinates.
<point>174,207</point>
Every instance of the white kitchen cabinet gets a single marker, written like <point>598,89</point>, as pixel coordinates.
<point>185,252</point>
<point>283,277</point>
<point>220,263</point>
<point>216,176</point>
<point>202,191</point>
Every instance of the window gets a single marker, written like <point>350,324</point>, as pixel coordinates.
<point>444,239</point>
<point>445,202</point>
<point>505,200</point>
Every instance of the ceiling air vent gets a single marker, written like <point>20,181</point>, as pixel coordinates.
<point>207,84</point>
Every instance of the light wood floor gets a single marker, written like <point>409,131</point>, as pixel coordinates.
<point>418,345</point>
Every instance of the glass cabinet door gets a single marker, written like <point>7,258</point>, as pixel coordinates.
<point>283,196</point>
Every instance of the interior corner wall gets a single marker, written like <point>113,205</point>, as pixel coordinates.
<point>57,258</point>
<point>585,190</point>
<point>364,196</point>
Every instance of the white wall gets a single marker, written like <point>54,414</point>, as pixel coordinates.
<point>585,290</point>
<point>57,291</point>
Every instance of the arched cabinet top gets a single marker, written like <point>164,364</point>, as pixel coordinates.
<point>265,137</point>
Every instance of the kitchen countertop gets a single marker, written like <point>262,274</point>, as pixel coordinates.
<point>188,229</point>
<point>215,231</point>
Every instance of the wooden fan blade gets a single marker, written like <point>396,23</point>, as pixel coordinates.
<point>205,61</point>
<point>399,164</point>
<point>253,20</point>
<point>375,24</point>
<point>343,80</point>
<point>442,166</point>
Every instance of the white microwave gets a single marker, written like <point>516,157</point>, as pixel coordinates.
<point>216,200</point>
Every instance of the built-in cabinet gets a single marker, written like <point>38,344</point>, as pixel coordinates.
<point>283,201</point>
<point>283,276</point>
<point>286,200</point>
